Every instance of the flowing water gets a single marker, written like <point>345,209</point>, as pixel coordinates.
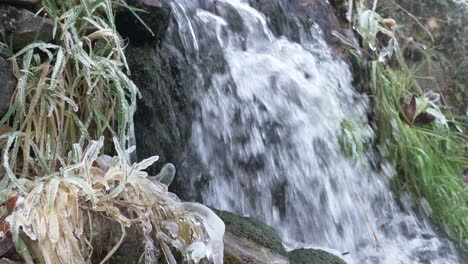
<point>268,115</point>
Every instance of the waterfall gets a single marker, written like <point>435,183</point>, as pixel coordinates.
<point>268,112</point>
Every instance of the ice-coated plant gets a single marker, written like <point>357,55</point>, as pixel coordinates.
<point>72,92</point>
<point>56,215</point>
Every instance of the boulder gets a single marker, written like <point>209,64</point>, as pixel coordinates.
<point>313,256</point>
<point>7,83</point>
<point>24,27</point>
<point>253,230</point>
<point>288,18</point>
<point>248,240</point>
<point>25,3</point>
<point>155,16</point>
<point>240,250</point>
<point>164,115</point>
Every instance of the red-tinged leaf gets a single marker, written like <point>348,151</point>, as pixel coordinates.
<point>4,227</point>
<point>11,203</point>
<point>424,119</point>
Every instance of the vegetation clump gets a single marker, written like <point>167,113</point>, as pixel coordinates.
<point>72,97</point>
<point>427,147</point>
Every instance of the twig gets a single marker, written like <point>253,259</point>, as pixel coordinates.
<point>114,249</point>
<point>366,214</point>
<point>415,18</point>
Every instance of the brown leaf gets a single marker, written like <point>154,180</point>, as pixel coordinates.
<point>11,203</point>
<point>152,3</point>
<point>409,110</point>
<point>424,118</point>
<point>4,226</point>
<point>3,130</point>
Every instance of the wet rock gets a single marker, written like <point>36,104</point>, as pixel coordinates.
<point>23,3</point>
<point>313,256</point>
<point>7,83</point>
<point>166,82</point>
<point>107,233</point>
<point>252,229</point>
<point>239,250</point>
<point>164,115</point>
<point>288,18</point>
<point>24,27</point>
<point>413,51</point>
<point>156,16</point>
<point>250,241</point>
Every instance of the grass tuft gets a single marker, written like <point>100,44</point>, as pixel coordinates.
<point>70,92</point>
<point>428,156</point>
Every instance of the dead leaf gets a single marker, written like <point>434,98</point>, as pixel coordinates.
<point>410,115</point>
<point>424,118</point>
<point>152,3</point>
<point>11,203</point>
<point>409,109</point>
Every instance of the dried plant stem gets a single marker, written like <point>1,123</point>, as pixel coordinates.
<point>366,214</point>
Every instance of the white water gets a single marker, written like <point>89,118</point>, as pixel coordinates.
<point>269,112</point>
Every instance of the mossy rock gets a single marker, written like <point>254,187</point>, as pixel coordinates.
<point>253,230</point>
<point>313,256</point>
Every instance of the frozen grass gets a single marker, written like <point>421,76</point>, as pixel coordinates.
<point>70,94</point>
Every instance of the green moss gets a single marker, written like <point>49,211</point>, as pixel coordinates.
<point>252,229</point>
<point>313,256</point>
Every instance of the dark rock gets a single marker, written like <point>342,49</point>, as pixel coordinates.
<point>32,5</point>
<point>313,256</point>
<point>239,250</point>
<point>288,18</point>
<point>253,230</point>
<point>107,233</point>
<point>21,2</point>
<point>7,83</point>
<point>24,27</point>
<point>164,115</point>
<point>250,241</point>
<point>413,51</point>
<point>155,15</point>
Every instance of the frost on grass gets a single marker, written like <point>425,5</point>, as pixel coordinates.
<point>55,217</point>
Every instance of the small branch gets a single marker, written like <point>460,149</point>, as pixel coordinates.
<point>366,214</point>
<point>415,19</point>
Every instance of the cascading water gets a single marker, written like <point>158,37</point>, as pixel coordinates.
<point>266,131</point>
